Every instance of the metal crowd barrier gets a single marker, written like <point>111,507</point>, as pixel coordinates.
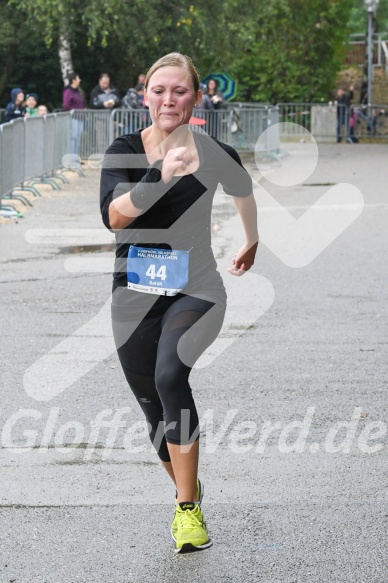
<point>94,128</point>
<point>62,137</point>
<point>332,122</point>
<point>238,126</point>
<point>325,121</point>
<point>32,151</point>
<point>369,121</point>
<point>126,121</point>
<point>295,113</point>
<point>42,142</point>
<point>254,128</point>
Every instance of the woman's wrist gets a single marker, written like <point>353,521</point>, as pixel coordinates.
<point>149,189</point>
<point>252,241</point>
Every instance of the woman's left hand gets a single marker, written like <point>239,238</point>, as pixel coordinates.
<point>177,159</point>
<point>244,259</point>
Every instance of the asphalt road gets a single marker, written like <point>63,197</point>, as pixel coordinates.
<point>305,342</point>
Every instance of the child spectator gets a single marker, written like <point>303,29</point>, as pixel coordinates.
<point>352,124</point>
<point>31,105</point>
<point>42,110</point>
<point>15,107</point>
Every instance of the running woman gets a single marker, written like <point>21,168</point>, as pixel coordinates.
<point>168,299</point>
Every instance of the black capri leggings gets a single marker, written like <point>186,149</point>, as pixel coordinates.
<point>157,359</point>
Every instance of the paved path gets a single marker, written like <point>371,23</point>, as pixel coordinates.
<point>317,355</point>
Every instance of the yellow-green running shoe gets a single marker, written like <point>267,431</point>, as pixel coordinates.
<point>188,528</point>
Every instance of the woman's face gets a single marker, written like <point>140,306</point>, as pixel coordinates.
<point>19,98</point>
<point>170,97</point>
<point>212,85</point>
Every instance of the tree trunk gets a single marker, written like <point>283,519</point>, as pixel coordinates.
<point>8,68</point>
<point>65,58</point>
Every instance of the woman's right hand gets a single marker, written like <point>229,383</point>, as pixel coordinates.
<point>176,159</point>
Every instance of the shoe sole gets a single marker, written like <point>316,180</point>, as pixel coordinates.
<point>189,548</point>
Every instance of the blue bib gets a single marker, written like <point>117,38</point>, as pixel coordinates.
<point>157,271</point>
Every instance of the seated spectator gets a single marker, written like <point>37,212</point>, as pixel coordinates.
<point>42,110</point>
<point>31,105</point>
<point>15,107</point>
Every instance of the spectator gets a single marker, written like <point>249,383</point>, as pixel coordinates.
<point>31,105</point>
<point>141,79</point>
<point>15,107</point>
<point>42,110</point>
<point>205,103</point>
<point>103,96</point>
<point>203,109</point>
<point>73,100</point>
<point>216,101</point>
<point>132,100</point>
<point>343,102</point>
<point>216,97</point>
<point>352,124</point>
<point>364,93</point>
<point>140,82</point>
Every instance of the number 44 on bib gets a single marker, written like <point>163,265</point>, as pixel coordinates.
<point>157,271</point>
<point>151,272</point>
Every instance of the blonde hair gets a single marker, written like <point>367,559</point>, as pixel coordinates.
<point>175,60</point>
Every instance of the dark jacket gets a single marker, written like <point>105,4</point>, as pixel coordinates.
<point>13,111</point>
<point>132,100</point>
<point>219,104</point>
<point>343,103</point>
<point>73,98</point>
<point>98,96</point>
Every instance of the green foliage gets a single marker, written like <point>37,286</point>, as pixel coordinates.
<point>292,50</point>
<point>358,17</point>
<point>278,50</point>
<point>37,71</point>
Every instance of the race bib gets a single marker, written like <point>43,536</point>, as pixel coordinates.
<point>157,271</point>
